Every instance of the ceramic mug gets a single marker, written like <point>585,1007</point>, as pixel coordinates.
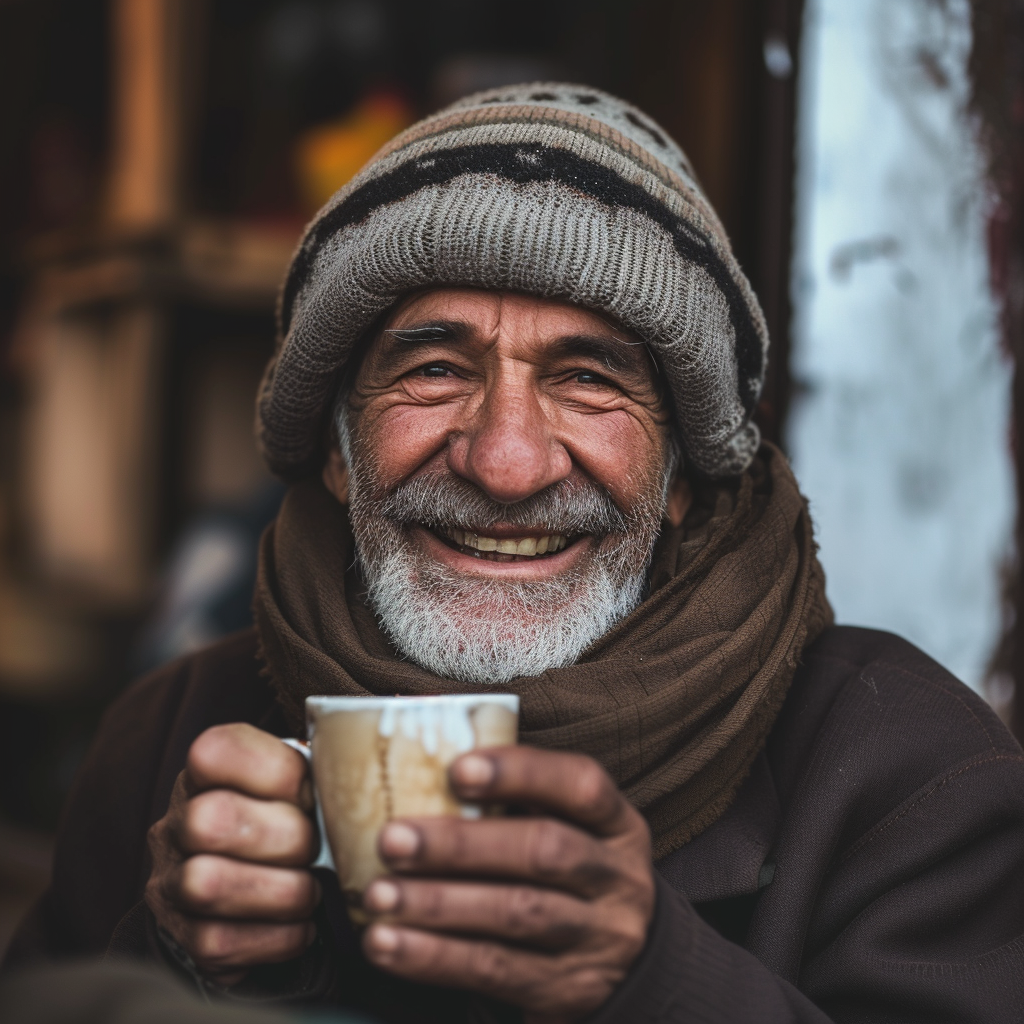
<point>377,758</point>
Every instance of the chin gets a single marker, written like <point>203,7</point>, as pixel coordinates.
<point>489,631</point>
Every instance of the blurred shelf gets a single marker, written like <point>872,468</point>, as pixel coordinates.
<point>232,264</point>
<point>236,263</point>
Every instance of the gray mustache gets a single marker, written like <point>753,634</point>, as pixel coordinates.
<point>441,500</point>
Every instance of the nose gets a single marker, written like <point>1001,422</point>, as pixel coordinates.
<point>509,448</point>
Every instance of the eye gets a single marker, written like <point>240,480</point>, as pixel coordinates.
<point>433,370</point>
<point>589,377</point>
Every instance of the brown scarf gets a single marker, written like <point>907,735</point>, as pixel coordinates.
<point>675,701</point>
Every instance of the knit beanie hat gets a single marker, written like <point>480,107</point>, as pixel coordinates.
<point>550,189</point>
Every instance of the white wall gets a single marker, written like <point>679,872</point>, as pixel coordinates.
<point>899,434</point>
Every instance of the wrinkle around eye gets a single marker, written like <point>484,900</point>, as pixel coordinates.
<point>430,390</point>
<point>608,398</point>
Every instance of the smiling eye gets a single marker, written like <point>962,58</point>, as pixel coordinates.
<point>433,370</point>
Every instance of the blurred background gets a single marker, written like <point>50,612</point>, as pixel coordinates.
<point>158,159</point>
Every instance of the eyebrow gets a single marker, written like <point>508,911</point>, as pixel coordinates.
<point>614,353</point>
<point>430,332</point>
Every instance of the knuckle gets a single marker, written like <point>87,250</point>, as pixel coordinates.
<point>552,848</point>
<point>489,964</point>
<point>526,911</point>
<point>208,820</point>
<point>210,747</point>
<point>210,942</point>
<point>543,991</point>
<point>621,934</point>
<point>432,902</point>
<point>454,843</point>
<point>202,883</point>
<point>637,838</point>
<point>639,895</point>
<point>590,987</point>
<point>630,938</point>
<point>592,788</point>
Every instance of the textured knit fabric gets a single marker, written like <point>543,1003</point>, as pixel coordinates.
<point>675,701</point>
<point>550,189</point>
<point>870,870</point>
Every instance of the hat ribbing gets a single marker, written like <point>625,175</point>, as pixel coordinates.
<point>551,189</point>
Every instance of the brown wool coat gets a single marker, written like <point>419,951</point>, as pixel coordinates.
<point>871,868</point>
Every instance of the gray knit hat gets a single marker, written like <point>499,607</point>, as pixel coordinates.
<point>546,188</point>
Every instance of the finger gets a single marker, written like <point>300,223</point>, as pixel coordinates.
<point>542,850</point>
<point>572,786</point>
<point>218,946</point>
<point>240,756</point>
<point>218,887</point>
<point>268,831</point>
<point>521,977</point>
<point>521,913</point>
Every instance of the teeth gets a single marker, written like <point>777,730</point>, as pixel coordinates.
<point>524,546</point>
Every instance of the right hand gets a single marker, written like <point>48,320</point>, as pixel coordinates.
<point>230,879</point>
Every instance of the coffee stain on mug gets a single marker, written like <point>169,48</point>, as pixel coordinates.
<point>383,749</point>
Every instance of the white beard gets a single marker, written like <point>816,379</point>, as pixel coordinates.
<point>490,631</point>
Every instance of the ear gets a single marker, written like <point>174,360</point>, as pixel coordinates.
<point>335,475</point>
<point>680,497</point>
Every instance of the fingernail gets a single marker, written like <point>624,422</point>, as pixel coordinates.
<point>473,771</point>
<point>383,940</point>
<point>398,840</point>
<point>381,897</point>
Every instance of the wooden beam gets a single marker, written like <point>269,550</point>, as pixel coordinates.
<point>145,170</point>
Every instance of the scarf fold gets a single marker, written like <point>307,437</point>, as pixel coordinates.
<point>675,701</point>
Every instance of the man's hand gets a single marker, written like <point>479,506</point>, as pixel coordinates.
<point>547,913</point>
<point>229,880</point>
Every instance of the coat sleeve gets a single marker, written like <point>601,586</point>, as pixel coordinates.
<point>101,843</point>
<point>919,919</point>
<point>689,973</point>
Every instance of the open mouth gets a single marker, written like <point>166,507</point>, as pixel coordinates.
<point>503,549</point>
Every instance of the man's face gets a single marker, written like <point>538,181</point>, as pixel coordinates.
<point>507,465</point>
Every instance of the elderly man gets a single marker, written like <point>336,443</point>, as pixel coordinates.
<point>513,392</point>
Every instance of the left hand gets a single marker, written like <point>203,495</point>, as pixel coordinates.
<point>558,906</point>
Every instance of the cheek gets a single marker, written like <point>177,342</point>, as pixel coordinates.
<point>621,453</point>
<point>405,437</point>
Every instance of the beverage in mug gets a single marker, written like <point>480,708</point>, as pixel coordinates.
<point>378,758</point>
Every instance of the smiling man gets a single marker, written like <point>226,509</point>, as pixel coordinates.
<point>513,395</point>
<point>507,462</point>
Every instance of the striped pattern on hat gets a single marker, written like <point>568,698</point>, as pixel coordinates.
<point>551,189</point>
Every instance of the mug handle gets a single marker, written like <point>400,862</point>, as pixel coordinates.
<point>323,858</point>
